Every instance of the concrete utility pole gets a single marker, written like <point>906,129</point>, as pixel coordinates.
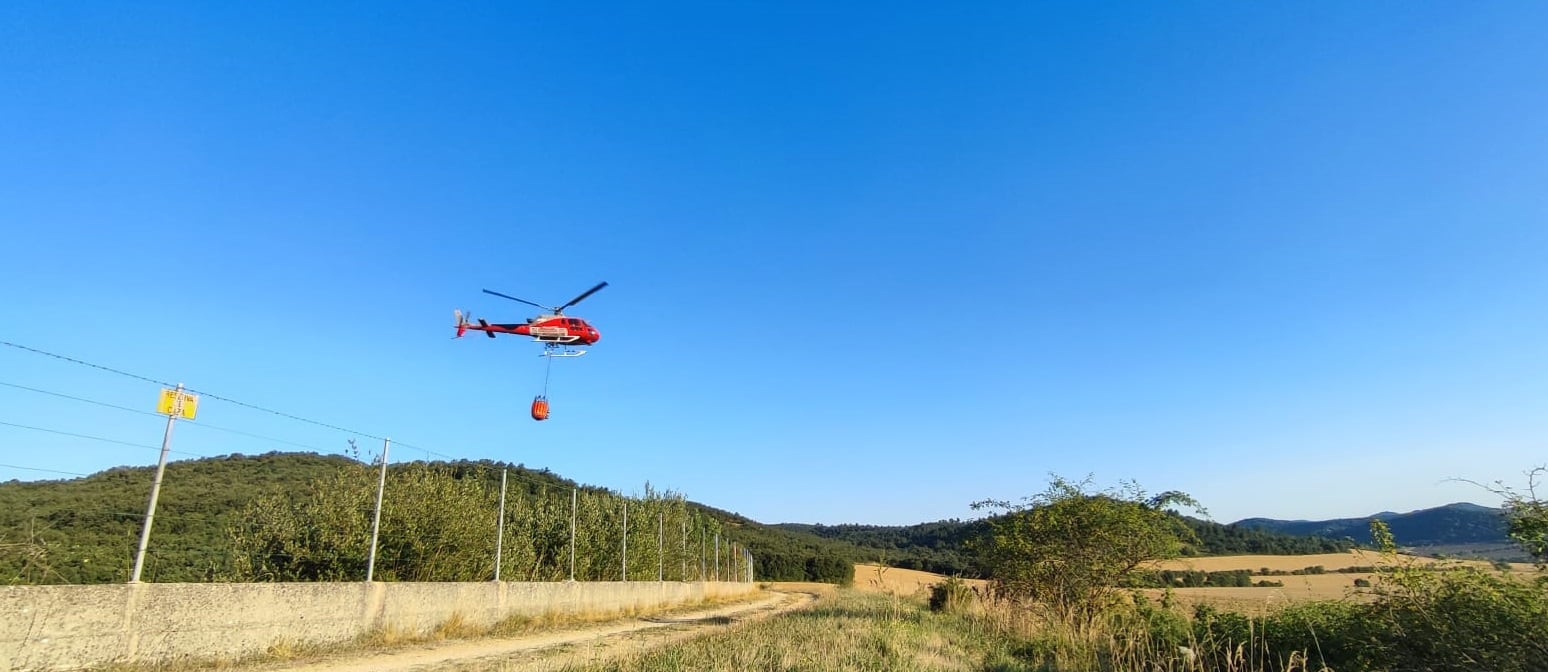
<point>155,493</point>
<point>572,533</point>
<point>500,526</point>
<point>376,519</point>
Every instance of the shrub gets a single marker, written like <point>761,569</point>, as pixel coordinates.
<point>952,596</point>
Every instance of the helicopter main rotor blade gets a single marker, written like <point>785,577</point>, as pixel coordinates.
<point>507,296</point>
<point>581,298</point>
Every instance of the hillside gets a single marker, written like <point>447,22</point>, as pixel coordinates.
<point>938,546</point>
<point>84,530</point>
<point>1450,525</point>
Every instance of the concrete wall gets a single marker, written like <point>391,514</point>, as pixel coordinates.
<point>70,627</point>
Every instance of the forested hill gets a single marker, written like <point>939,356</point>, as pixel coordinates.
<point>1460,523</point>
<point>939,546</point>
<point>84,530</point>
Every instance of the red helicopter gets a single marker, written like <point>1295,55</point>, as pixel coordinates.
<point>558,333</point>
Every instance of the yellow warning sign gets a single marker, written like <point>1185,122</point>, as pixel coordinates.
<point>181,404</point>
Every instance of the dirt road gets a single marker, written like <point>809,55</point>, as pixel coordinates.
<point>555,649</point>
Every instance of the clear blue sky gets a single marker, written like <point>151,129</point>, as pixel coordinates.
<point>868,264</point>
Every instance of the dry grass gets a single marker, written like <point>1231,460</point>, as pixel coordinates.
<point>395,636</point>
<point>1290,563</point>
<point>897,581</point>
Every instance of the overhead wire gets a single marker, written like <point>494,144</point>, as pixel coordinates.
<point>81,436</point>
<point>50,471</point>
<point>85,363</point>
<point>428,452</point>
<point>200,392</point>
<point>159,415</point>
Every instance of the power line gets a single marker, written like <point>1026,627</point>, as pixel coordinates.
<point>84,363</point>
<point>81,436</point>
<point>210,395</point>
<point>51,471</point>
<point>158,415</point>
<point>80,399</point>
<point>255,436</point>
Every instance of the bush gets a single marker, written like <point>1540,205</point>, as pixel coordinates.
<point>952,596</point>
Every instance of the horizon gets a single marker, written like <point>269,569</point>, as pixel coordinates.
<point>581,483</point>
<point>865,262</point>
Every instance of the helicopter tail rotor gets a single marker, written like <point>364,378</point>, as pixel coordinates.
<point>462,322</point>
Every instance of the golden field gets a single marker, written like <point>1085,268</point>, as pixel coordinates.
<point>899,581</point>
<point>1288,563</point>
<point>1329,586</point>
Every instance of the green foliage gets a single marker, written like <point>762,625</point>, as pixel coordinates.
<point>942,546</point>
<point>1236,539</point>
<point>84,530</point>
<point>953,596</point>
<point>431,530</point>
<point>937,547</point>
<point>1175,578</point>
<point>1066,550</point>
<point>1527,516</point>
<point>306,517</point>
<point>1417,618</point>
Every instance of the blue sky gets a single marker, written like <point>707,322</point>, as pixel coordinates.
<point>869,263</point>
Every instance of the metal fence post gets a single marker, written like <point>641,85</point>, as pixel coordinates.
<point>155,493</point>
<point>717,556</point>
<point>626,541</point>
<point>376,519</point>
<point>685,546</point>
<point>500,527</point>
<point>660,546</point>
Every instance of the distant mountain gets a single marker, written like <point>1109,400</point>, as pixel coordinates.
<point>1459,523</point>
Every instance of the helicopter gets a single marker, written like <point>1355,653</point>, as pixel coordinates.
<point>560,334</point>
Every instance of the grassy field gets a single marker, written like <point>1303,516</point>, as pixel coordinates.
<point>844,630</point>
<point>1297,588</point>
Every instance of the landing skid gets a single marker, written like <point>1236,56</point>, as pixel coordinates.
<point>557,350</point>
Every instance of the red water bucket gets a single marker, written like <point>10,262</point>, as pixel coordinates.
<point>540,408</point>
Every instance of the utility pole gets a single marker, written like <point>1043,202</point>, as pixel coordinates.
<point>155,493</point>
<point>376,519</point>
<point>626,541</point>
<point>660,547</point>
<point>572,533</point>
<point>500,527</point>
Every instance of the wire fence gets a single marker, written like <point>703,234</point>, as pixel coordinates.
<point>354,514</point>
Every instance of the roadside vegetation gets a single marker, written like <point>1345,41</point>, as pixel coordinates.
<point>1061,566</point>
<point>307,517</point>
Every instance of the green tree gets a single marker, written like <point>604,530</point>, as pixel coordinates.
<point>1528,517</point>
<point>1067,550</point>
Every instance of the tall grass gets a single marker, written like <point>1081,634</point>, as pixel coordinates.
<point>845,631</point>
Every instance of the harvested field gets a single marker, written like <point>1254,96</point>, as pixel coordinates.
<point>1289,563</point>
<point>899,581</point>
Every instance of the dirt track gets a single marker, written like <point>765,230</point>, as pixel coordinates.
<point>554,649</point>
